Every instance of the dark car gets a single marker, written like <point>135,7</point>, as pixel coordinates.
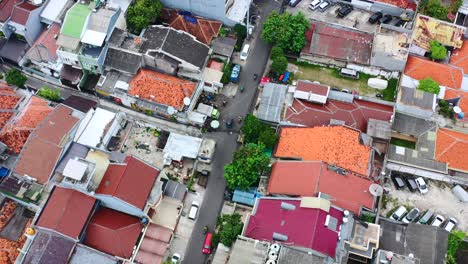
<point>398,181</point>
<point>399,22</point>
<point>375,17</point>
<point>229,122</point>
<point>294,3</point>
<point>411,216</point>
<point>411,183</point>
<point>334,88</point>
<point>344,10</point>
<point>386,19</point>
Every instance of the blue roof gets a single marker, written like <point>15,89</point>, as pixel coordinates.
<point>246,196</point>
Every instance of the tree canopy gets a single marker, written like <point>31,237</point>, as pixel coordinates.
<point>249,162</point>
<point>429,85</point>
<point>258,132</point>
<point>285,30</point>
<point>15,77</point>
<point>436,9</point>
<point>142,13</point>
<point>229,226</point>
<point>49,93</point>
<point>279,64</point>
<point>438,51</point>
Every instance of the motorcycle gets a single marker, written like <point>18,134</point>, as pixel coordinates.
<point>241,88</point>
<point>205,229</point>
<point>255,77</point>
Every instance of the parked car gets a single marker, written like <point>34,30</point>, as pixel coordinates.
<point>421,185</point>
<point>399,22</point>
<point>294,3</point>
<point>324,6</point>
<point>411,216</point>
<point>334,88</point>
<point>207,245</point>
<point>193,210</point>
<point>235,73</point>
<point>450,224</point>
<point>386,19</point>
<point>346,91</point>
<point>398,182</point>
<point>437,221</point>
<point>175,259</point>
<point>344,10</point>
<point>411,183</point>
<point>375,17</point>
<point>315,4</point>
<point>426,217</point>
<point>399,213</point>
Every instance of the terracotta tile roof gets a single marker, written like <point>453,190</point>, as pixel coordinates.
<point>113,232</point>
<point>67,212</point>
<point>445,74</point>
<point>452,147</point>
<point>15,134</point>
<point>131,182</point>
<point>6,7</point>
<point>40,154</point>
<point>308,178</point>
<point>404,4</point>
<point>270,218</point>
<point>203,29</point>
<point>8,102</point>
<point>460,57</point>
<point>161,88</point>
<point>355,114</point>
<point>4,117</point>
<point>335,145</point>
<point>45,47</point>
<point>21,12</point>
<point>306,86</point>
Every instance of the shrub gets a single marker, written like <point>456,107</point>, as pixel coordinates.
<point>279,64</point>
<point>15,77</point>
<point>142,13</point>
<point>438,51</point>
<point>227,70</point>
<point>436,9</point>
<point>429,85</point>
<point>276,52</point>
<point>49,93</point>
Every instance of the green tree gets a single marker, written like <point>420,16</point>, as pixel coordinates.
<point>230,226</point>
<point>49,93</point>
<point>227,70</point>
<point>241,33</point>
<point>438,51</point>
<point>429,85</point>
<point>287,31</point>
<point>248,163</point>
<point>436,9</point>
<point>455,240</point>
<point>15,77</point>
<point>276,52</point>
<point>268,137</point>
<point>142,13</point>
<point>279,64</point>
<point>251,128</point>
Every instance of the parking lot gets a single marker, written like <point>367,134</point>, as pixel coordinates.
<point>356,19</point>
<point>439,199</point>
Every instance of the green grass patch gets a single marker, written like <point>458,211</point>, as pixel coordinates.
<point>390,92</point>
<point>403,143</point>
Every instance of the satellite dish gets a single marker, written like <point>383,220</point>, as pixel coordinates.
<point>457,110</point>
<point>214,124</point>
<point>170,110</point>
<point>375,189</point>
<point>186,101</point>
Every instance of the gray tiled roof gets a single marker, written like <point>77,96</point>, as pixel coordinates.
<point>123,60</point>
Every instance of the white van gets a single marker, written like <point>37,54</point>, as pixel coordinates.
<point>315,4</point>
<point>245,52</point>
<point>193,210</point>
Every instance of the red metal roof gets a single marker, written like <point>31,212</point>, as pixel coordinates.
<point>304,227</point>
<point>67,212</point>
<point>45,46</point>
<point>354,114</point>
<point>113,232</point>
<point>131,182</point>
<point>6,7</point>
<point>308,178</point>
<point>21,12</point>
<point>311,87</point>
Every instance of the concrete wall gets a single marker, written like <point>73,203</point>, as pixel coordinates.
<point>214,9</point>
<point>34,26</point>
<point>119,205</point>
<point>69,58</point>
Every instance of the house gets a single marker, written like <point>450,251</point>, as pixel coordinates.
<point>311,92</point>
<point>24,21</point>
<point>54,11</point>
<point>282,220</point>
<point>124,52</point>
<point>229,12</point>
<point>364,242</point>
<point>450,147</point>
<point>338,146</point>
<point>272,102</point>
<point>223,47</point>
<point>416,102</point>
<point>428,28</point>
<point>426,243</point>
<point>203,29</point>
<point>128,186</point>
<point>80,103</point>
<point>335,45</point>
<point>315,178</point>
<point>42,58</point>
<point>46,144</point>
<point>391,47</point>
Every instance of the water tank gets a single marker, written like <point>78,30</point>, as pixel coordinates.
<point>346,212</point>
<point>279,237</point>
<point>275,248</point>
<point>272,254</point>
<point>461,115</point>
<point>287,206</point>
<point>270,262</point>
<point>272,257</point>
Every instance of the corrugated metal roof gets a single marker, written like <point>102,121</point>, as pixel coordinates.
<point>271,103</point>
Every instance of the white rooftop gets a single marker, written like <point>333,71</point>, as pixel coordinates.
<point>53,9</point>
<point>93,127</point>
<point>179,146</point>
<point>75,169</point>
<point>93,38</point>
<point>238,10</point>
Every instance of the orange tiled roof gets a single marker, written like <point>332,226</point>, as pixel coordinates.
<point>161,88</point>
<point>460,57</point>
<point>446,75</point>
<point>9,250</point>
<point>334,145</point>
<point>452,147</point>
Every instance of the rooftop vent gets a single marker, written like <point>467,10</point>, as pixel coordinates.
<point>279,237</point>
<point>287,206</point>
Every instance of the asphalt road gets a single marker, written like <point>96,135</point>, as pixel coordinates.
<point>226,142</point>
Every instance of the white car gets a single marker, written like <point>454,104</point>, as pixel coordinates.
<point>450,224</point>
<point>438,220</point>
<point>422,186</point>
<point>175,259</point>
<point>193,210</point>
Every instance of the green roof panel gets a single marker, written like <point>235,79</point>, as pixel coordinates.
<point>75,20</point>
